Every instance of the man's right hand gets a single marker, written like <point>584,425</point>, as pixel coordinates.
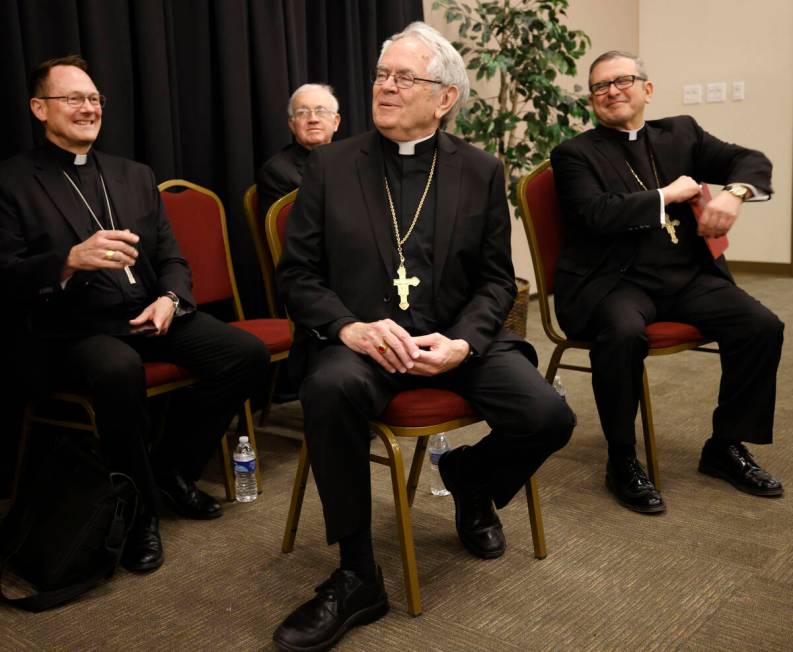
<point>385,341</point>
<point>95,252</point>
<point>681,189</point>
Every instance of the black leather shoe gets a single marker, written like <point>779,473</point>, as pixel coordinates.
<point>477,523</point>
<point>343,601</point>
<point>143,549</point>
<point>734,464</point>
<point>187,500</point>
<point>627,480</point>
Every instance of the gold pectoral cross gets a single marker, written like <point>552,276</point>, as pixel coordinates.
<point>670,225</point>
<point>403,286</point>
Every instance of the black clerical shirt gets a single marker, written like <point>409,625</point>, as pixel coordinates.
<point>407,177</point>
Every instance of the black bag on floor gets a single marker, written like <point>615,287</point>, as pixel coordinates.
<point>66,530</point>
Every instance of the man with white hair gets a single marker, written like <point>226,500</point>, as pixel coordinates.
<point>407,202</point>
<point>313,119</point>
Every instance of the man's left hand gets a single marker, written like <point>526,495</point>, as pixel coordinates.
<point>158,314</point>
<point>438,354</point>
<point>719,215</point>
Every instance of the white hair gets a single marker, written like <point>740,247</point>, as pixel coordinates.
<point>334,103</point>
<point>446,64</point>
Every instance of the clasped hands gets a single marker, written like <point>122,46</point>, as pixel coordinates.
<point>394,349</point>
<point>718,215</point>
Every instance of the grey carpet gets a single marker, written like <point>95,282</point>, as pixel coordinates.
<point>713,573</point>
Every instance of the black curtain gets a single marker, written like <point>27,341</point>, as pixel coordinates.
<point>197,89</point>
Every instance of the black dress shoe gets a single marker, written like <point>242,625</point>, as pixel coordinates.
<point>734,464</point>
<point>187,500</point>
<point>477,523</point>
<point>627,480</point>
<point>343,601</point>
<point>143,549</point>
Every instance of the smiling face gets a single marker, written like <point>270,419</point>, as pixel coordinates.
<point>404,114</point>
<point>73,128</point>
<point>311,130</point>
<point>620,108</point>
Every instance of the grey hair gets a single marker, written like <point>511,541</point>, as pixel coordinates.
<point>620,54</point>
<point>446,64</point>
<point>314,87</point>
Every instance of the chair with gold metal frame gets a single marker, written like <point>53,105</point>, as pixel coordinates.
<point>542,219</point>
<point>256,225</point>
<point>199,224</point>
<point>417,413</point>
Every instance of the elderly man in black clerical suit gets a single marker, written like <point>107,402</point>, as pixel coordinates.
<point>313,112</point>
<point>634,253</point>
<point>93,280</point>
<point>407,201</point>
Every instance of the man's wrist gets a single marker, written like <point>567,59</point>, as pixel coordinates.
<point>174,298</point>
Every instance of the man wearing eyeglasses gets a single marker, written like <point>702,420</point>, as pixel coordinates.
<point>94,285</point>
<point>397,273</point>
<point>313,112</point>
<point>634,253</point>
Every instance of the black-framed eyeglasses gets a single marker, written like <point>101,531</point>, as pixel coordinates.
<point>77,99</point>
<point>321,113</point>
<point>401,79</point>
<point>622,82</point>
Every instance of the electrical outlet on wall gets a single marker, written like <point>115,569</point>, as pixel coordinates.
<point>692,94</point>
<point>716,92</point>
<point>738,91</point>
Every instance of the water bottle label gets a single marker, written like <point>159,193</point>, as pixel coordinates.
<point>245,466</point>
<point>434,457</point>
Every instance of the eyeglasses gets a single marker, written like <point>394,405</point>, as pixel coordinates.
<point>401,79</point>
<point>77,99</point>
<point>622,82</point>
<point>321,113</point>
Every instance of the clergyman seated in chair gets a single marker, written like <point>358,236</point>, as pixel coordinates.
<point>634,253</point>
<point>398,274</point>
<point>92,277</point>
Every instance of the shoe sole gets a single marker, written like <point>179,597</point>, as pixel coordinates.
<point>715,473</point>
<point>362,617</point>
<point>660,509</point>
<point>144,568</point>
<point>476,552</point>
<point>174,507</point>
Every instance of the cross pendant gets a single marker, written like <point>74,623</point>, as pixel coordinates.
<point>403,284</point>
<point>670,225</point>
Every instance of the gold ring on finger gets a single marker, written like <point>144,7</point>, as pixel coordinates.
<point>110,255</point>
<point>382,348</point>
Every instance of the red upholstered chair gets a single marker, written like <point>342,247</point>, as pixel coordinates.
<point>199,224</point>
<point>542,220</point>
<point>256,225</point>
<point>417,413</point>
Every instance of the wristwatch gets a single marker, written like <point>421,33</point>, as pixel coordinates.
<point>172,296</point>
<point>741,192</point>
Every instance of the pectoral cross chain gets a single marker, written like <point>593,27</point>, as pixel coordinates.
<point>669,225</point>
<point>403,284</point>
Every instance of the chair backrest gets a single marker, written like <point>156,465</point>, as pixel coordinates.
<point>259,234</point>
<point>198,220</point>
<point>542,219</point>
<point>275,223</point>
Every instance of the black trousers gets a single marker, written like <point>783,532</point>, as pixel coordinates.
<point>230,364</point>
<point>750,344</point>
<point>343,390</point>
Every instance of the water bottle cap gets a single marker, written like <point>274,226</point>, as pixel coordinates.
<point>243,440</point>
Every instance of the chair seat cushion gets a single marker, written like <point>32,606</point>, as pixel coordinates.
<point>160,373</point>
<point>425,407</point>
<point>275,333</point>
<point>671,333</point>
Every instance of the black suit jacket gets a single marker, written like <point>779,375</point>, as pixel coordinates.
<point>280,175</point>
<point>41,220</point>
<point>340,257</point>
<point>604,217</point>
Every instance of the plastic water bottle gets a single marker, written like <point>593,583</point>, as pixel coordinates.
<point>245,471</point>
<point>559,387</point>
<point>438,446</point>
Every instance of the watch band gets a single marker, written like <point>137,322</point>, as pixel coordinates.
<point>173,297</point>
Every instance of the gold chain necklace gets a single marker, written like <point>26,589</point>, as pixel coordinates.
<point>669,223</point>
<point>402,282</point>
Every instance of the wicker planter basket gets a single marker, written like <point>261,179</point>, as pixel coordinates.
<point>516,319</point>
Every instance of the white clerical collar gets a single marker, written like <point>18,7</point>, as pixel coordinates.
<point>409,148</point>
<point>80,159</point>
<point>632,133</point>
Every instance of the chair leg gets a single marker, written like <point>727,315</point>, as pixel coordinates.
<point>649,432</point>
<point>553,365</point>
<point>404,525</point>
<point>269,391</point>
<point>298,491</point>
<point>415,467</point>
<point>252,439</point>
<point>535,518</point>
